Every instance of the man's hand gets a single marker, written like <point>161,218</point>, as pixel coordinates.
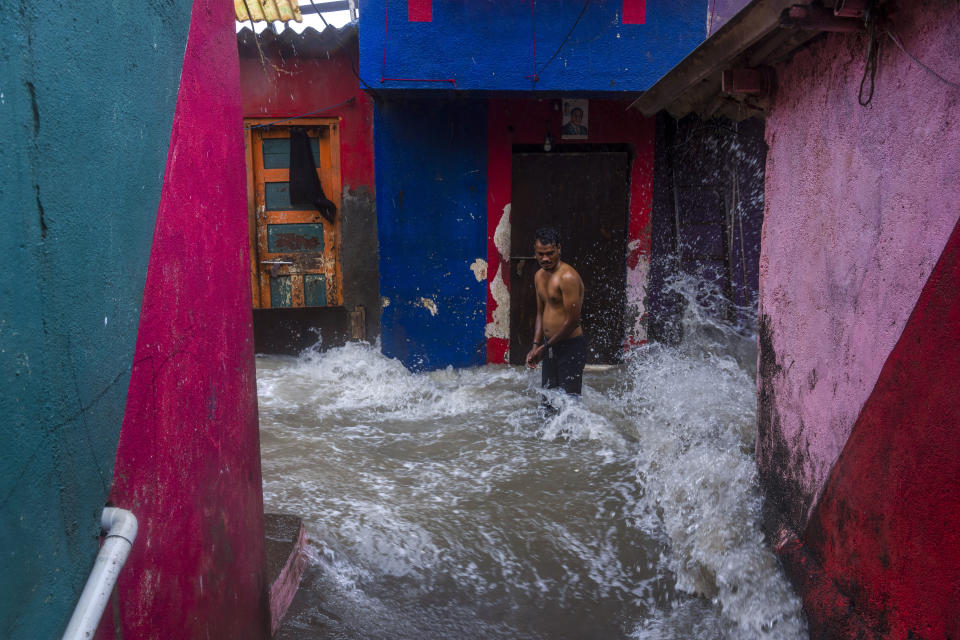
<point>535,355</point>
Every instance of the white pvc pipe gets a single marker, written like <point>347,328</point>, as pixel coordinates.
<point>121,528</point>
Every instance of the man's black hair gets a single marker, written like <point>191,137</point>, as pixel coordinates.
<point>574,110</point>
<point>547,236</point>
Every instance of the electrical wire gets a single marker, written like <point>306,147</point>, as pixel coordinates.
<point>533,34</point>
<point>383,69</point>
<point>319,14</point>
<point>536,76</point>
<point>353,63</point>
<point>253,29</point>
<point>939,77</point>
<point>870,66</point>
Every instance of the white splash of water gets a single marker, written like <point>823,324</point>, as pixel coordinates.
<point>447,505</point>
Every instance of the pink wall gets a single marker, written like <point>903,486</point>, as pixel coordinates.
<point>525,121</point>
<point>188,461</point>
<point>886,527</point>
<point>859,332</point>
<point>859,205</point>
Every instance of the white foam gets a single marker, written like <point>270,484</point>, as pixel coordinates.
<point>639,501</point>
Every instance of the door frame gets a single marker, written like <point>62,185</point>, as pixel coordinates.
<point>510,261</point>
<point>331,180</point>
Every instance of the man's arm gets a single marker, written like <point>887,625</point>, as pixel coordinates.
<point>534,355</point>
<point>571,287</point>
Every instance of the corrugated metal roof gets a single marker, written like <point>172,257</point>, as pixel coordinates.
<point>267,10</point>
<point>309,44</point>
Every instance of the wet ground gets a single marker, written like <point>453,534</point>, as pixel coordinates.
<point>443,505</point>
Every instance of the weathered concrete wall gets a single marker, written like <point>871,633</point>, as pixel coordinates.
<point>188,461</point>
<point>289,87</point>
<point>86,107</point>
<point>885,529</point>
<point>431,216</point>
<point>526,121</point>
<point>495,45</point>
<point>858,342</point>
<point>859,205</point>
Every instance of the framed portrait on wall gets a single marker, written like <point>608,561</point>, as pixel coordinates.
<point>575,116</point>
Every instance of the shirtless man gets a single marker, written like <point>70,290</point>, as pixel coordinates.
<point>557,337</point>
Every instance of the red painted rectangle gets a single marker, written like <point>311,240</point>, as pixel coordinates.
<point>634,11</point>
<point>420,10</point>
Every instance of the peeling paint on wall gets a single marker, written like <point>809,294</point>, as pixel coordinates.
<point>479,268</point>
<point>852,231</point>
<point>499,326</point>
<point>501,237</point>
<point>429,231</point>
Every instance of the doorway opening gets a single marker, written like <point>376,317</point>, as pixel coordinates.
<point>582,191</point>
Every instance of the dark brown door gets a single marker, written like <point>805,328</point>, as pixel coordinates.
<point>583,195</point>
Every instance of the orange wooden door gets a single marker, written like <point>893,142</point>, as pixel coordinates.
<point>295,251</point>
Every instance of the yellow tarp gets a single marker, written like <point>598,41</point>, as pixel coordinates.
<point>267,10</point>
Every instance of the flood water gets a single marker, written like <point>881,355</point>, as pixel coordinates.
<point>443,505</point>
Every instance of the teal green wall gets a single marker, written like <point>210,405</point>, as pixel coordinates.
<point>86,99</point>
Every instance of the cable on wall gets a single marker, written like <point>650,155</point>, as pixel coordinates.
<point>383,69</point>
<point>896,41</point>
<point>564,42</point>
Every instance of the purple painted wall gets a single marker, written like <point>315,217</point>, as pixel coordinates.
<point>859,205</point>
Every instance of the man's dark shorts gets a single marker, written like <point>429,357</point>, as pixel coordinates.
<point>563,365</point>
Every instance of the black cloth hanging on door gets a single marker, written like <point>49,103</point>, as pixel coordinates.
<point>305,187</point>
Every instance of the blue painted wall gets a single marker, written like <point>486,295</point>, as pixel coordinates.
<point>87,107</point>
<point>489,44</point>
<point>431,170</point>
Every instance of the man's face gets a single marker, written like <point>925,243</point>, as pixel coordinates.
<point>548,255</point>
<point>576,116</point>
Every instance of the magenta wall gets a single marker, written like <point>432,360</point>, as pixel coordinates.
<point>188,461</point>
<point>857,447</point>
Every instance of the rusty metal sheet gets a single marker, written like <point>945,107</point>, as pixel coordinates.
<point>295,238</point>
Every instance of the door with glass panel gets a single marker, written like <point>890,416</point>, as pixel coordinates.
<point>295,251</point>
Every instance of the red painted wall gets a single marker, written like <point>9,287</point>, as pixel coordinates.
<point>859,327</point>
<point>188,460</point>
<point>886,526</point>
<point>519,121</point>
<point>296,86</point>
